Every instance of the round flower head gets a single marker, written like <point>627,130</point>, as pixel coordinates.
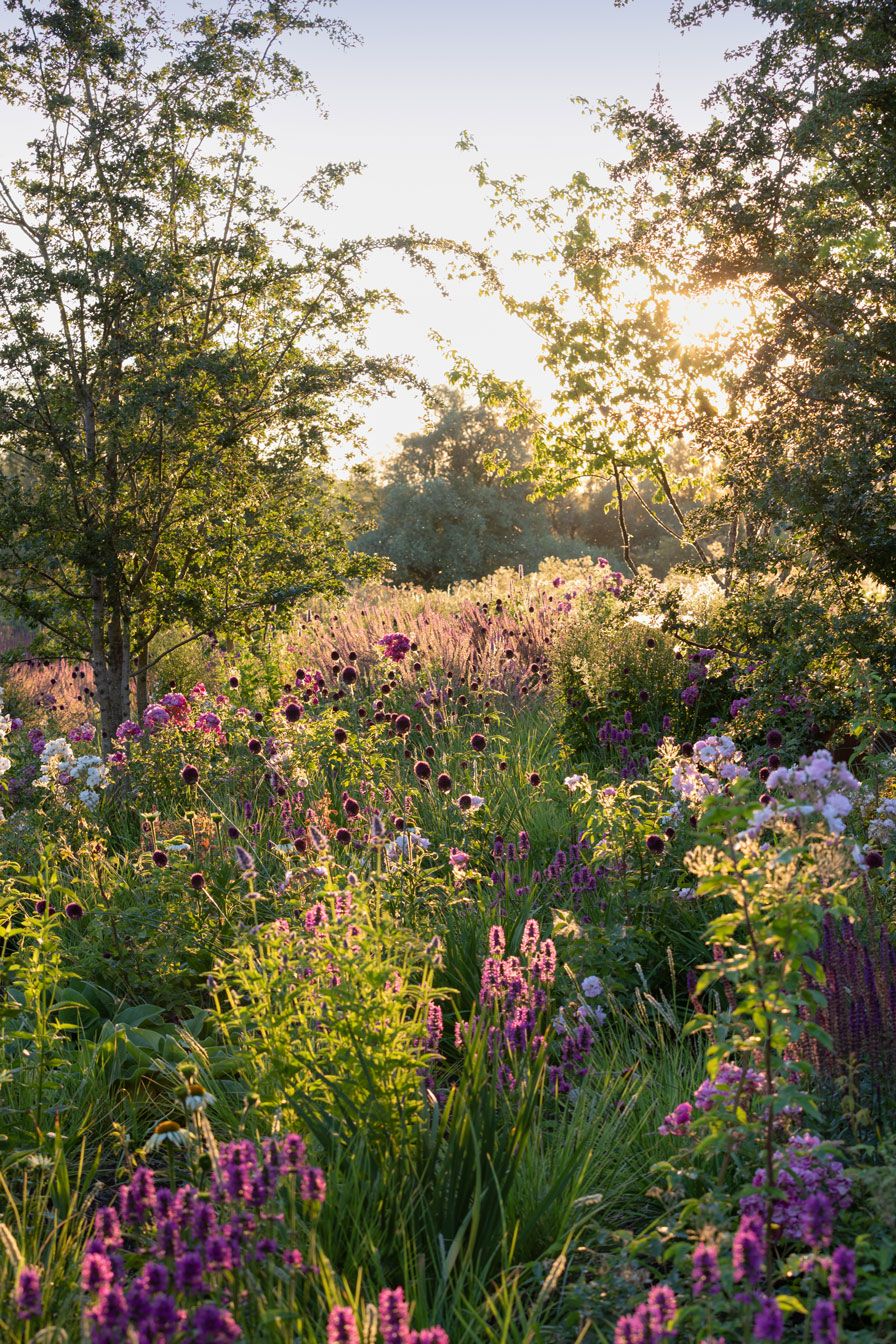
<point>197,881</point>
<point>293,712</point>
<point>190,775</point>
<point>773,738</point>
<point>423,770</point>
<point>349,675</point>
<point>402,724</point>
<point>477,742</point>
<point>340,735</point>
<point>655,844</point>
<point>73,910</point>
<point>254,745</point>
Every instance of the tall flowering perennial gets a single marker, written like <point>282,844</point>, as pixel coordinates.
<point>165,1267</point>
<point>731,1088</point>
<point>514,996</point>
<point>60,768</point>
<point>5,729</point>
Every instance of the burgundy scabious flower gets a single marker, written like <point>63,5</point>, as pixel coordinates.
<point>190,775</point>
<point>349,675</point>
<point>773,738</point>
<point>74,911</point>
<point>423,770</point>
<point>28,1295</point>
<point>254,745</point>
<point>340,735</point>
<point>342,1327</point>
<point>655,843</point>
<point>293,712</point>
<point>443,782</point>
<point>351,807</point>
<point>477,742</point>
<point>344,835</point>
<point>197,881</point>
<point>535,779</point>
<point>402,724</point>
<point>874,858</point>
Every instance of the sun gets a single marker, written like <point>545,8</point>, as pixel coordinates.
<point>702,319</point>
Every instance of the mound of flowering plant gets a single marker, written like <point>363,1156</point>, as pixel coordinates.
<point>188,1265</point>
<point>515,1015</point>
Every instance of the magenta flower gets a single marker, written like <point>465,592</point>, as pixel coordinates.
<point>27,1294</point>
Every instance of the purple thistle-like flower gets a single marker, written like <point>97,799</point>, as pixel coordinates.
<point>342,1328</point>
<point>213,1325</point>
<point>188,1272</point>
<point>28,1295</point>
<point>747,1251</point>
<point>430,1334</point>
<point>661,1309</point>
<point>312,1185</point>
<point>434,1027</point>
<point>393,1316</point>
<point>531,935</point>
<point>154,1277</point>
<point>824,1322</point>
<point>818,1220</point>
<point>842,1278</point>
<point>164,1317</point>
<point>292,1152</point>
<point>705,1275</point>
<point>107,1227</point>
<point>633,1329</point>
<point>768,1325</point>
<point>96,1272</point>
<point>111,1310</point>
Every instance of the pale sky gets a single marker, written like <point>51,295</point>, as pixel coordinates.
<point>504,70</point>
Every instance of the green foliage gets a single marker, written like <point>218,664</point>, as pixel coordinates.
<point>446,514</point>
<point>171,368</point>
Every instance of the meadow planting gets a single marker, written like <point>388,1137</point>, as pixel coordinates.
<point>513,964</point>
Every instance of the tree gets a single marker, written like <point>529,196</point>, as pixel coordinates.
<point>176,348</point>
<point>446,511</point>
<point>790,191</point>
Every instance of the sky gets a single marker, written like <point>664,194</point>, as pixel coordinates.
<point>423,73</point>
<point>505,71</point>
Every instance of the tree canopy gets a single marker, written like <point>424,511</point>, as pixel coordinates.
<point>177,349</point>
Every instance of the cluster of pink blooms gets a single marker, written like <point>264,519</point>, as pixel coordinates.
<point>514,990</point>
<point>652,1321</point>
<point>713,763</point>
<point>85,732</point>
<point>175,710</point>
<point>192,1246</point>
<point>342,1327</point>
<point>395,646</point>
<point>817,786</point>
<point>697,665</point>
<point>812,1188</point>
<point>731,1086</point>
